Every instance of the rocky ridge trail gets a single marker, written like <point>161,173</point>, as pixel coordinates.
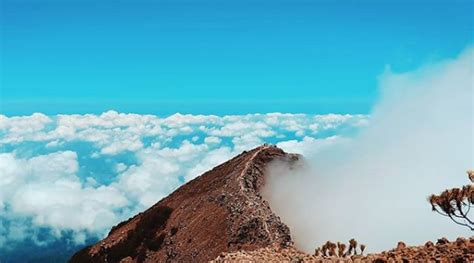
<point>219,211</point>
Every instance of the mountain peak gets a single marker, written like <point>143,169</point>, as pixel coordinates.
<point>220,211</point>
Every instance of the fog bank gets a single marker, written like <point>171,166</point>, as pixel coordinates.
<point>374,186</point>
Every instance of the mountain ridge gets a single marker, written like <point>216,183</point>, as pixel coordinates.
<point>220,211</point>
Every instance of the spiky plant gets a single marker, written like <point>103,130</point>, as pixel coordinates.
<point>456,203</point>
<point>352,246</point>
<point>324,250</point>
<point>362,248</point>
<point>332,249</point>
<point>317,252</point>
<point>341,247</point>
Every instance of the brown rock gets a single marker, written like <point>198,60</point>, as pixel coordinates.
<point>460,241</point>
<point>220,211</point>
<point>442,241</point>
<point>401,245</point>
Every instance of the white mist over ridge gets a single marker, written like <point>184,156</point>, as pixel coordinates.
<point>373,187</point>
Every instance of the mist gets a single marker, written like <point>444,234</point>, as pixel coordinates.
<point>374,185</point>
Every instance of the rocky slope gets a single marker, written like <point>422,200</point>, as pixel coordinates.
<point>220,211</point>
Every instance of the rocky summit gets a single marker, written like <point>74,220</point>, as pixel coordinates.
<point>219,211</point>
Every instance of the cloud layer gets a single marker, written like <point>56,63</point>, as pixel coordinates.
<point>82,174</point>
<point>374,186</point>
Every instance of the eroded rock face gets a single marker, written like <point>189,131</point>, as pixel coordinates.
<point>220,211</point>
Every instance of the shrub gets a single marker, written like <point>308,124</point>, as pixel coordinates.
<point>455,203</point>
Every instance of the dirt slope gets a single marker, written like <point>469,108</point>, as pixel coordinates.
<point>220,211</point>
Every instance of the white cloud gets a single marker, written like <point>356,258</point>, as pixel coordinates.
<point>122,144</point>
<point>212,140</point>
<point>374,186</point>
<point>24,124</point>
<point>245,142</point>
<point>62,185</point>
<point>46,189</point>
<point>120,167</point>
<point>113,133</point>
<point>309,146</point>
<point>212,159</point>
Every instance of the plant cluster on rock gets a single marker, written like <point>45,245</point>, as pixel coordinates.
<point>328,249</point>
<point>456,203</point>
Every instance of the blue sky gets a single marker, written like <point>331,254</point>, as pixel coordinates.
<point>217,57</point>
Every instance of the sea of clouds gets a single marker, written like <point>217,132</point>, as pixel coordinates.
<point>76,176</point>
